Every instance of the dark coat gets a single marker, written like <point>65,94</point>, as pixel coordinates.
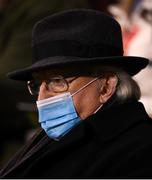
<point>113,143</point>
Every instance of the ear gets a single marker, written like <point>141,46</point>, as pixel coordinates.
<point>108,88</point>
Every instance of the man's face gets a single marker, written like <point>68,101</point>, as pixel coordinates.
<point>85,101</point>
<point>89,92</point>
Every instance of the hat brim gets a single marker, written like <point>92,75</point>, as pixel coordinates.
<point>130,64</point>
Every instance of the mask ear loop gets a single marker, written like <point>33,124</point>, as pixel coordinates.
<point>83,87</point>
<point>98,109</point>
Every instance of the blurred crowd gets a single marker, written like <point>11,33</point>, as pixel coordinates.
<point>18,111</point>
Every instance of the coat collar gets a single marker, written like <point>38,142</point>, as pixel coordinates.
<point>111,122</point>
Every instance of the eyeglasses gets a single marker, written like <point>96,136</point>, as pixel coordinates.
<point>57,84</point>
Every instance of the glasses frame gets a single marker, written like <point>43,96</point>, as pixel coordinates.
<point>48,82</point>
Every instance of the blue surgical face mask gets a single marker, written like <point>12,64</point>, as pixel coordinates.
<point>58,115</point>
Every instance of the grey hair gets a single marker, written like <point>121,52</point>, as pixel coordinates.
<point>126,89</point>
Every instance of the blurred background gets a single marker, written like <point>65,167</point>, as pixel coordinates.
<point>18,118</point>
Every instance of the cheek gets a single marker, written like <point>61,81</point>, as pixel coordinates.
<point>77,101</point>
<point>86,103</point>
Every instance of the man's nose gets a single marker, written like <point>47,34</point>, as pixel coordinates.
<point>44,92</point>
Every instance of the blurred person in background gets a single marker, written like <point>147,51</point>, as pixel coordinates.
<point>92,125</point>
<point>17,20</point>
<point>136,23</point>
<point>140,44</point>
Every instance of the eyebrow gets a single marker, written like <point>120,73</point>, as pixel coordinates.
<point>74,78</point>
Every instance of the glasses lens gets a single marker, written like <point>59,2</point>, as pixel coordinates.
<point>57,84</point>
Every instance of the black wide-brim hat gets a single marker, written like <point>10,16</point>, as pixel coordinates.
<point>77,37</point>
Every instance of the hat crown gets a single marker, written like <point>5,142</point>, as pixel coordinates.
<point>75,37</point>
<point>77,33</point>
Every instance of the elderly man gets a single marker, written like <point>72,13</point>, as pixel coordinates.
<point>92,125</point>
